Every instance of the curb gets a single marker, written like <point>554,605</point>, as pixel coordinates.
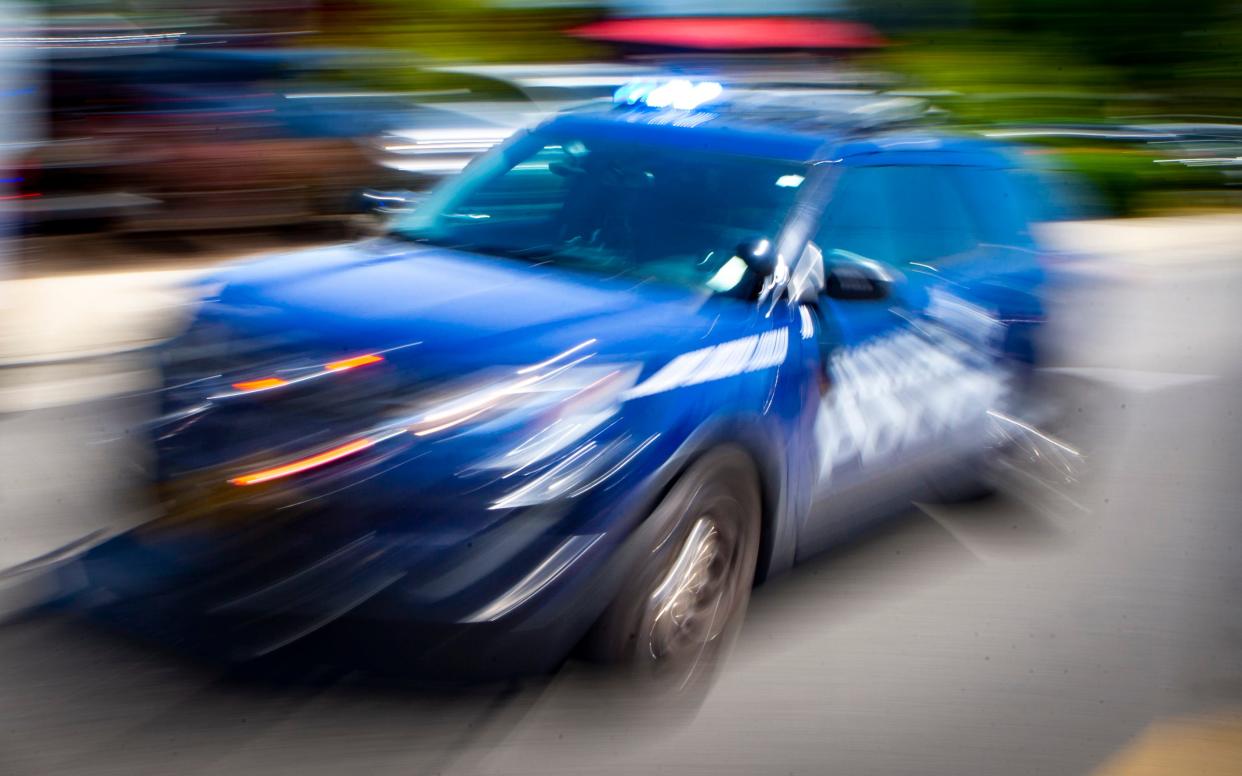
<point>41,581</point>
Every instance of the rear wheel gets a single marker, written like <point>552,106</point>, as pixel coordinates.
<point>677,615</point>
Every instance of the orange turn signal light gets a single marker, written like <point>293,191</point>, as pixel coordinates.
<point>332,366</point>
<point>304,464</point>
<point>260,385</point>
<point>350,363</point>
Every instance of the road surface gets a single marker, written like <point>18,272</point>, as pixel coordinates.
<point>1013,636</point>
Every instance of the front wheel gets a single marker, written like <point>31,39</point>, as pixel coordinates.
<point>677,615</point>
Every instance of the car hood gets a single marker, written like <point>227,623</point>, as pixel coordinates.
<point>460,307</point>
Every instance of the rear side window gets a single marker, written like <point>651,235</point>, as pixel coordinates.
<point>997,202</point>
<point>898,215</point>
<point>857,218</point>
<point>930,219</point>
<point>903,214</point>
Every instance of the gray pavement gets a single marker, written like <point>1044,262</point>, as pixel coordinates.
<point>1003,637</point>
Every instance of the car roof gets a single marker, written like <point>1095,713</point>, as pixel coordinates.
<point>795,125</point>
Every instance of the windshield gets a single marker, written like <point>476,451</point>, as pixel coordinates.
<point>669,214</point>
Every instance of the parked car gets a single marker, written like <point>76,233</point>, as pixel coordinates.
<point>192,135</point>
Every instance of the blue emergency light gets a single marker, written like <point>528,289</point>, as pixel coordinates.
<point>678,94</point>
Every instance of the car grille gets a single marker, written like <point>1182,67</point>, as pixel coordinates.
<point>265,424</point>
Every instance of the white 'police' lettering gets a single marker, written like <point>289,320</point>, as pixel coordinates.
<point>898,392</point>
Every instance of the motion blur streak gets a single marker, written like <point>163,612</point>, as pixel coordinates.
<point>542,576</point>
<point>305,464</point>
<point>350,363</point>
<point>554,359</point>
<point>260,385</point>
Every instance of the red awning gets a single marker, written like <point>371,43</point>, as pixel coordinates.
<point>734,33</point>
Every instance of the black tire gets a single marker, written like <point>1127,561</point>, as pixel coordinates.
<point>961,488</point>
<point>677,615</point>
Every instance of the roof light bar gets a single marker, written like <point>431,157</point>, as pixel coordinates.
<point>678,94</point>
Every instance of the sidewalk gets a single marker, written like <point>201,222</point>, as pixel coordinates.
<point>57,334</point>
<point>66,317</point>
<point>69,304</point>
<point>1139,248</point>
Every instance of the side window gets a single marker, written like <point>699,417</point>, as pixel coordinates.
<point>857,218</point>
<point>930,220</point>
<point>998,202</point>
<point>898,215</point>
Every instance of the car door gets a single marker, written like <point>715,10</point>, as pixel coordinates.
<point>902,391</point>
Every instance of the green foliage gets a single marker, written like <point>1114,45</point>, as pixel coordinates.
<point>1031,62</point>
<point>1000,77</point>
<point>1126,181</point>
<point>463,31</point>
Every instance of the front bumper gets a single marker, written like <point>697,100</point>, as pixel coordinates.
<point>513,598</point>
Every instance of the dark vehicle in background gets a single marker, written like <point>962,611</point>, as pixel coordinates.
<point>183,134</point>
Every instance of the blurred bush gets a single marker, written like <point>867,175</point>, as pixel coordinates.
<point>420,32</point>
<point>1081,63</point>
<point>989,63</point>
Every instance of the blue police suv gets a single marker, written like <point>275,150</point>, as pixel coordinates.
<point>589,392</point>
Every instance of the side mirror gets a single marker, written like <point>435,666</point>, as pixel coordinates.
<point>857,282</point>
<point>759,255</point>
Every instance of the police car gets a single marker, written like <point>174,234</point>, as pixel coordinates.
<point>626,365</point>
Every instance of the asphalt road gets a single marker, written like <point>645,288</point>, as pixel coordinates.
<point>1032,635</point>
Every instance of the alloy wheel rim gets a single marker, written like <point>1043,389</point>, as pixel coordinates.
<point>687,607</point>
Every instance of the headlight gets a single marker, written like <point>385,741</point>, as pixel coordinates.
<point>538,410</point>
<point>563,392</point>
